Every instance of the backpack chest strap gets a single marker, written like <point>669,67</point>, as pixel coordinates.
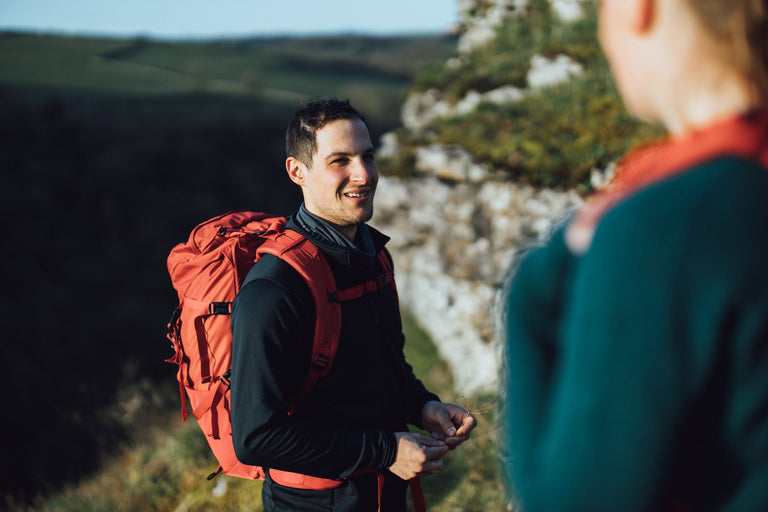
<point>372,286</point>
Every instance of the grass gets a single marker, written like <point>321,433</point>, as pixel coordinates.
<point>165,474</point>
<point>165,469</point>
<point>471,480</point>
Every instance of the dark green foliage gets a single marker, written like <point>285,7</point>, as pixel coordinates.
<point>95,193</point>
<point>553,138</point>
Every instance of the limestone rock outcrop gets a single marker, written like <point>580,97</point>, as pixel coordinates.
<point>453,244</point>
<point>457,227</point>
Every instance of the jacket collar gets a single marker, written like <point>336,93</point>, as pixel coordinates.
<point>368,241</point>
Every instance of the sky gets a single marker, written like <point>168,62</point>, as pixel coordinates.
<point>228,18</point>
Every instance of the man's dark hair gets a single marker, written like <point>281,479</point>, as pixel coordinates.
<point>301,136</point>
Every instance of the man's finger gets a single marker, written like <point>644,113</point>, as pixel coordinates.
<point>468,423</point>
<point>432,466</point>
<point>435,452</point>
<point>447,423</point>
<point>429,440</point>
<point>455,441</point>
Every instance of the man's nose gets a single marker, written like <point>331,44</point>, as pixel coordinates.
<point>362,171</point>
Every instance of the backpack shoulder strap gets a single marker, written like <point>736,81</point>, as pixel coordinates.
<point>309,262</point>
<point>306,258</point>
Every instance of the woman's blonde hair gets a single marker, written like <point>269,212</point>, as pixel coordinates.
<point>741,29</point>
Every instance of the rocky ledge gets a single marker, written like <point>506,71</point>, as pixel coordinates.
<point>453,243</point>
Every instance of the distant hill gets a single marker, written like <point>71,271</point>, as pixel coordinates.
<point>371,71</point>
<point>111,151</point>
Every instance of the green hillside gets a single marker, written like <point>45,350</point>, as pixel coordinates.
<point>371,71</point>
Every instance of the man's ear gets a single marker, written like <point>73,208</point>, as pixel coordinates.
<point>295,170</point>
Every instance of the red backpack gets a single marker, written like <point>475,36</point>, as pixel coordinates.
<point>207,272</point>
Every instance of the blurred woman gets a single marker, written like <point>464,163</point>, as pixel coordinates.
<point>637,337</point>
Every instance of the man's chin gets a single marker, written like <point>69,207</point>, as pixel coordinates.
<point>361,214</point>
<point>366,215</point>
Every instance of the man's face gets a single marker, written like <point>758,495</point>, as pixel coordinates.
<point>342,181</point>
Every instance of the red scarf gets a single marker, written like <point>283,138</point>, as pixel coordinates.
<point>745,135</point>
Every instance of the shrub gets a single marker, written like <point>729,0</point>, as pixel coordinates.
<point>555,136</point>
<point>552,138</point>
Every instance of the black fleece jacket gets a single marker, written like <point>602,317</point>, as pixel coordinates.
<point>348,420</point>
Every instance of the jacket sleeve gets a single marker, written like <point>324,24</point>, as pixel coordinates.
<point>416,393</point>
<point>421,396</point>
<point>272,332</point>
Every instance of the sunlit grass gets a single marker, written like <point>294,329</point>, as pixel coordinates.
<point>471,480</point>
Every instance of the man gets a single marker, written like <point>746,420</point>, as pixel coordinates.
<point>352,425</point>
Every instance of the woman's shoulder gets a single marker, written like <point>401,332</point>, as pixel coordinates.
<point>715,215</point>
<point>726,192</point>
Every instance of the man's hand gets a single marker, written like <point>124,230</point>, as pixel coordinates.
<point>447,422</point>
<point>417,455</point>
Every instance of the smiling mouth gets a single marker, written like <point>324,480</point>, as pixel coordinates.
<point>357,195</point>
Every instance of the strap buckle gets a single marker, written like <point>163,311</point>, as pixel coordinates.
<point>320,362</point>
<point>220,308</point>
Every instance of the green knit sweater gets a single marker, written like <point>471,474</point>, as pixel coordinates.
<point>637,374</point>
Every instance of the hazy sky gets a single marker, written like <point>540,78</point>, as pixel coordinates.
<point>203,18</point>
